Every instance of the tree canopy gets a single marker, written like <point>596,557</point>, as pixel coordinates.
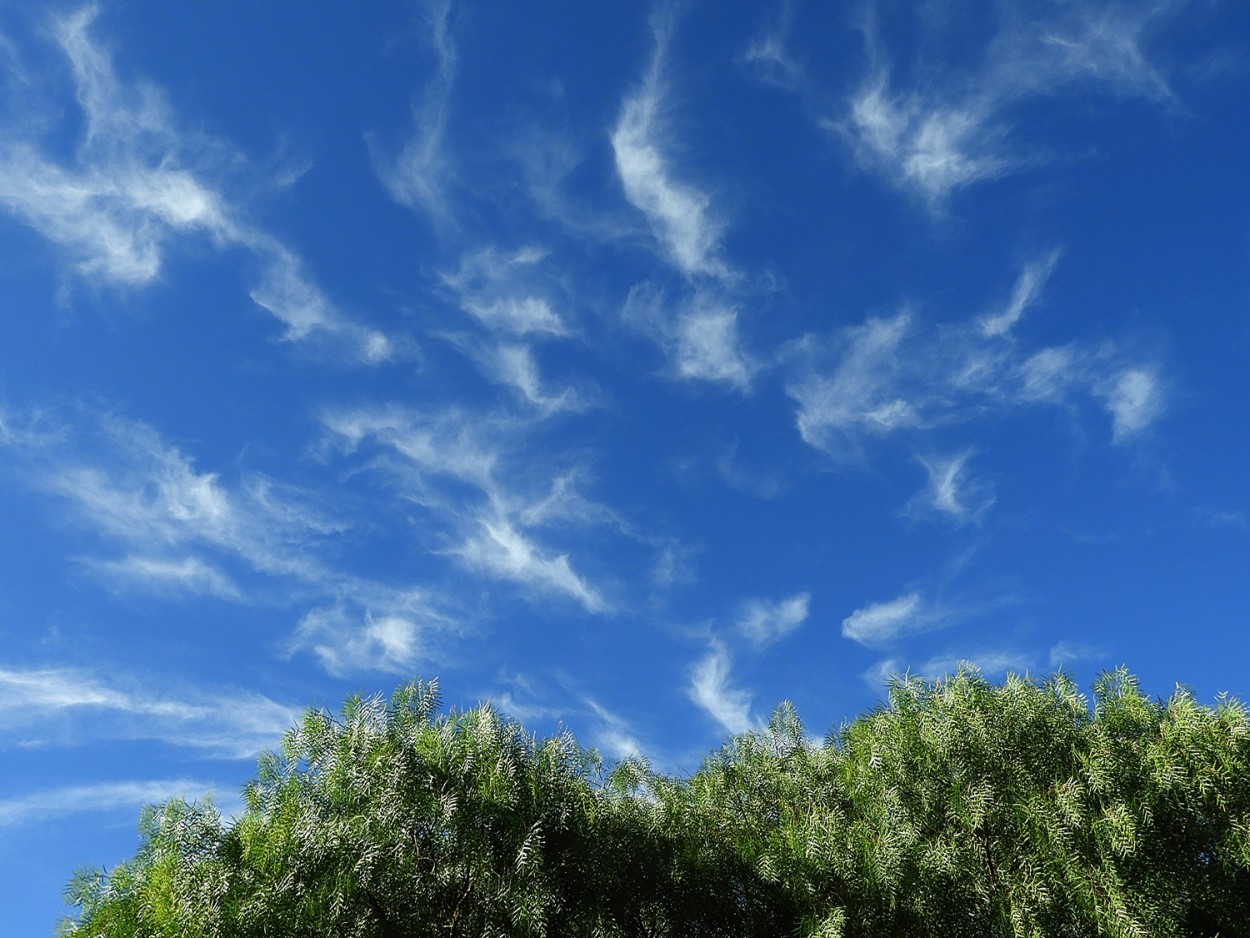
<point>957,808</point>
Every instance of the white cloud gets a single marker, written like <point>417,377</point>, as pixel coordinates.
<point>679,214</point>
<point>492,523</point>
<point>54,803</point>
<point>1027,293</point>
<point>514,366</point>
<point>881,623</point>
<point>764,622</point>
<point>1134,400</point>
<point>930,148</point>
<point>699,336</point>
<point>137,185</point>
<point>987,662</point>
<point>862,394</point>
<point>711,690</point>
<point>1065,652</point>
<point>955,128</point>
<point>224,722</point>
<point>389,633</point>
<point>500,549</point>
<point>708,347</point>
<point>767,53</point>
<point>418,176</point>
<point>614,734</point>
<point>503,291</point>
<point>952,492</point>
<point>993,663</point>
<point>165,574</point>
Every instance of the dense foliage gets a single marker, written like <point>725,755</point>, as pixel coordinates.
<point>959,808</point>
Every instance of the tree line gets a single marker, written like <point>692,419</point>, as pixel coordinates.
<point>958,807</point>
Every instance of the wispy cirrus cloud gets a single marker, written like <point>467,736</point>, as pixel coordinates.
<point>699,335</point>
<point>1027,293</point>
<point>898,377</point>
<point>768,53</point>
<point>54,803</point>
<point>680,214</point>
<point>459,467</point>
<point>39,705</point>
<point>138,186</point>
<point>951,129</point>
<point>882,622</point>
<point>710,688</point>
<point>953,492</point>
<point>418,176</point>
<point>168,528</point>
<point>764,621</point>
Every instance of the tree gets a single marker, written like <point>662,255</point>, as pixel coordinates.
<point>958,808</point>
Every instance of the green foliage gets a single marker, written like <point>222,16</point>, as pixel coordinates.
<point>958,808</point>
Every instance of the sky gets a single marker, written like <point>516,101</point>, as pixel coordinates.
<point>631,367</point>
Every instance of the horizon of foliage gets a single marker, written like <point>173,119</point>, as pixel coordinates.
<point>956,808</point>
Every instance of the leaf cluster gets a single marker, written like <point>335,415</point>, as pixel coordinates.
<point>957,808</point>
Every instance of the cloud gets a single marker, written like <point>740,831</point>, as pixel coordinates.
<point>514,366</point>
<point>710,690</point>
<point>707,347</point>
<point>187,532</point>
<point>1027,293</point>
<point>614,734</point>
<point>503,291</point>
<point>1134,399</point>
<point>499,549</point>
<point>417,177</point>
<point>391,633</point>
<point>468,477</point>
<point>881,623</point>
<point>767,53</point>
<point>699,336</point>
<point>864,391</point>
<point>680,215</point>
<point>137,185</point>
<point>764,622</point>
<point>51,804</point>
<point>892,375</point>
<point>952,492</point>
<point>1065,652</point>
<point>989,662</point>
<point>930,148</point>
<point>228,723</point>
<point>165,574</point>
<point>955,127</point>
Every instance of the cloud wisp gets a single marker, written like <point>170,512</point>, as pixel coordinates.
<point>680,215</point>
<point>170,529</point>
<point>895,377</point>
<point>418,176</point>
<point>711,690</point>
<point>951,129</point>
<point>223,723</point>
<point>453,465</point>
<point>765,622</point>
<point>138,186</point>
<point>55,803</point>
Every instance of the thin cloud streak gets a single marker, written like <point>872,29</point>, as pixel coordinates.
<point>711,691</point>
<point>937,137</point>
<point>418,176</point>
<point>883,622</point>
<point>55,803</point>
<point>226,723</point>
<point>1027,293</point>
<point>764,622</point>
<point>680,215</point>
<point>134,192</point>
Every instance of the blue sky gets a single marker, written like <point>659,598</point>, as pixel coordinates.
<point>632,367</point>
